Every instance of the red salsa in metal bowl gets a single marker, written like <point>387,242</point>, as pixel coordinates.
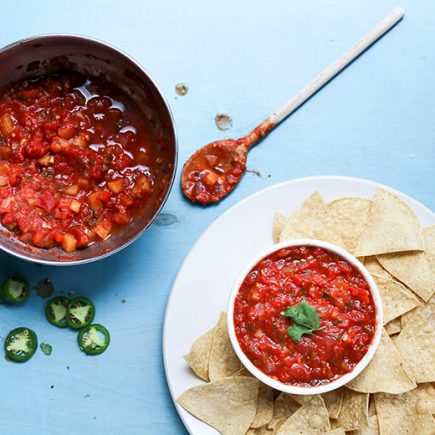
<point>78,160</point>
<point>304,276</point>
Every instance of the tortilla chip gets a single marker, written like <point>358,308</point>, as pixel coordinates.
<point>333,402</point>
<point>429,245</point>
<point>334,424</point>
<point>385,372</point>
<point>354,411</point>
<point>350,215</point>
<point>396,298</point>
<point>242,372</point>
<point>400,293</point>
<point>311,418</point>
<point>372,409</point>
<point>229,405</point>
<point>371,429</point>
<point>277,226</point>
<point>424,396</point>
<point>407,316</point>
<point>391,227</point>
<point>393,327</point>
<point>283,407</point>
<point>336,431</point>
<point>397,414</point>
<point>265,401</point>
<point>413,269</point>
<point>416,343</point>
<point>264,412</point>
<point>312,221</point>
<point>376,270</point>
<point>199,355</point>
<point>223,360</point>
<point>302,400</point>
<point>263,430</point>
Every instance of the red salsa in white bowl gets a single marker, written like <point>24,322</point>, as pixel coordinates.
<point>305,317</point>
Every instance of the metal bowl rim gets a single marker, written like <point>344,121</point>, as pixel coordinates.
<point>171,118</point>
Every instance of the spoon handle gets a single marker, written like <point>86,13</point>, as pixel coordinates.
<point>336,67</point>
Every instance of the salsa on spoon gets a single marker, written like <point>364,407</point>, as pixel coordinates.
<point>214,170</point>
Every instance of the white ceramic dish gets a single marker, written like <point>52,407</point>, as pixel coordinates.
<point>204,281</point>
<point>292,389</point>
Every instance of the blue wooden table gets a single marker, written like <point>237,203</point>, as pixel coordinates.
<point>244,58</point>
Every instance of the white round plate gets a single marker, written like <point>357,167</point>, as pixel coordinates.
<point>204,281</point>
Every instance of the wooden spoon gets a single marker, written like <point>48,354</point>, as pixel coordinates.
<point>214,170</point>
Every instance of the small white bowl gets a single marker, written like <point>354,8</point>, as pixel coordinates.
<point>359,367</point>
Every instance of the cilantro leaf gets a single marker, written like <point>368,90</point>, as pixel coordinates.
<point>305,320</point>
<point>296,331</point>
<point>304,314</point>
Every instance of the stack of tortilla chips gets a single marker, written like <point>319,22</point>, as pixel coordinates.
<point>395,394</point>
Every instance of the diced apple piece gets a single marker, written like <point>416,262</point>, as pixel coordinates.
<point>102,230</point>
<point>66,132</point>
<point>81,140</point>
<point>116,186</point>
<point>141,185</point>
<point>46,160</point>
<point>210,179</point>
<point>71,190</point>
<point>69,243</point>
<point>94,201</point>
<point>75,206</point>
<point>6,124</point>
<point>58,144</point>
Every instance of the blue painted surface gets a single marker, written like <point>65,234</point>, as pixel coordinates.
<point>244,58</point>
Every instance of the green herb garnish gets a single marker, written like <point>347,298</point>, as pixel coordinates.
<point>305,320</point>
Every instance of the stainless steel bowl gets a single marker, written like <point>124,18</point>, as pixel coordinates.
<point>32,57</point>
